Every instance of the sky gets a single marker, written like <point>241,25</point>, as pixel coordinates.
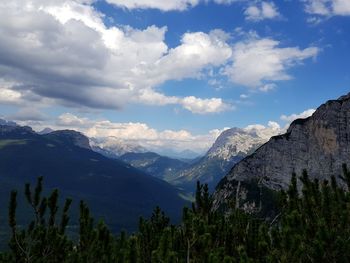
<point>170,74</point>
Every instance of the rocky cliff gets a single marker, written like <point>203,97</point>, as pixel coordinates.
<point>320,144</point>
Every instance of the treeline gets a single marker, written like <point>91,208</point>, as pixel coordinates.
<point>312,226</point>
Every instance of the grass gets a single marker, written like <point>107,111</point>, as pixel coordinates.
<point>4,143</point>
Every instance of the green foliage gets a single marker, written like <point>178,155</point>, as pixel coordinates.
<point>313,226</point>
<point>44,240</point>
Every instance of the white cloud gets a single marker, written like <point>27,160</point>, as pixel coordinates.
<point>197,51</point>
<point>70,120</point>
<point>190,103</point>
<point>205,106</point>
<point>341,7</point>
<point>327,7</point>
<point>166,5</point>
<point>259,62</point>
<point>261,10</point>
<point>294,116</point>
<point>226,2</point>
<point>265,132</point>
<point>62,50</point>
<point>267,87</point>
<point>7,95</point>
<point>244,96</point>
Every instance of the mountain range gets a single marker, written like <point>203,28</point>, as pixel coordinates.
<point>113,147</point>
<point>230,147</point>
<point>113,189</point>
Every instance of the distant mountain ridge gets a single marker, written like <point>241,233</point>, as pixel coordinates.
<point>320,144</point>
<point>113,189</point>
<point>154,164</point>
<point>113,147</point>
<point>7,123</point>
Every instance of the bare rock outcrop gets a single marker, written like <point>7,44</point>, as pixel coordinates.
<point>320,144</point>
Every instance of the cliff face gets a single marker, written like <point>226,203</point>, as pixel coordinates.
<point>320,144</point>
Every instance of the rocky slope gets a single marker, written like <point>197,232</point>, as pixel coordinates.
<point>230,147</point>
<point>320,144</point>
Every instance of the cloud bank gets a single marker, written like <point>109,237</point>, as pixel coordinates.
<point>62,53</point>
<point>327,7</point>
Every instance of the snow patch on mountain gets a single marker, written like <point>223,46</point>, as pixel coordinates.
<point>242,141</point>
<point>114,147</point>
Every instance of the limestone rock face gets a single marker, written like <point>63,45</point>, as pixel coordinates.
<point>320,144</point>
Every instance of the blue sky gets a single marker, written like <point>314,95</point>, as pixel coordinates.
<point>170,73</point>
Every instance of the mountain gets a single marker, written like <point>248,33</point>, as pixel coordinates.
<point>113,189</point>
<point>180,155</point>
<point>45,131</point>
<point>113,147</point>
<point>230,147</point>
<point>154,164</point>
<point>320,144</point>
<point>7,123</point>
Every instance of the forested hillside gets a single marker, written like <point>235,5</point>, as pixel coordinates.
<point>310,226</point>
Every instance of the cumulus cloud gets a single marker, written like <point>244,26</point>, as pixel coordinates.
<point>62,50</point>
<point>327,7</point>
<point>190,103</point>
<point>7,95</point>
<point>294,116</point>
<point>168,5</point>
<point>201,106</point>
<point>259,62</point>
<point>226,2</point>
<point>179,5</point>
<point>262,10</point>
<point>265,132</point>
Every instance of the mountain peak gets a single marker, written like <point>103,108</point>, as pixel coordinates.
<point>344,97</point>
<point>45,131</point>
<point>233,142</point>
